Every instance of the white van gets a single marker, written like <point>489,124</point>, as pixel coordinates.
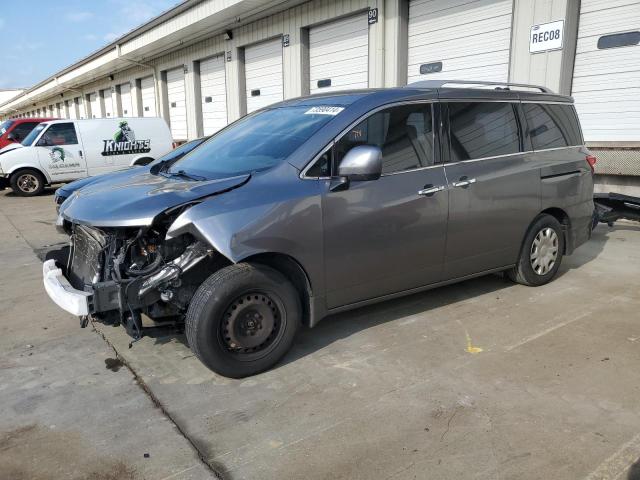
<point>65,150</point>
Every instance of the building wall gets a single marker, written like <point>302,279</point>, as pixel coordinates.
<point>388,57</point>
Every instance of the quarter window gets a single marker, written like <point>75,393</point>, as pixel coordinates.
<point>403,133</point>
<point>552,126</point>
<point>479,130</point>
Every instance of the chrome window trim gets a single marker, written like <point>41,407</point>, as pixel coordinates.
<point>512,154</point>
<point>338,137</point>
<point>303,173</point>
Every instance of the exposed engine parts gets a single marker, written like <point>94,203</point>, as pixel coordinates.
<point>136,273</point>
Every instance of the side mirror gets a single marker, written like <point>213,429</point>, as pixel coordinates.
<point>45,142</point>
<point>361,163</point>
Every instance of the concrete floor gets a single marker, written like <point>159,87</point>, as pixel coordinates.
<point>484,379</point>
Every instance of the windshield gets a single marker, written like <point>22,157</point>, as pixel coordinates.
<point>28,140</point>
<point>4,126</point>
<point>181,150</point>
<point>255,143</point>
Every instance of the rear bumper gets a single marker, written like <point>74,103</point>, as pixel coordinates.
<point>62,293</point>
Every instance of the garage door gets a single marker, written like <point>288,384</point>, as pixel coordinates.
<point>125,100</point>
<point>339,55</point>
<point>459,39</point>
<point>72,109</point>
<point>606,75</point>
<point>148,95</point>
<point>108,103</point>
<point>177,103</point>
<point>213,87</point>
<point>263,70</point>
<point>95,107</point>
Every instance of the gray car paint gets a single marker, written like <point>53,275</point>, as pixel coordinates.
<point>377,239</point>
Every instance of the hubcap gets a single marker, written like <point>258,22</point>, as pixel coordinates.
<point>252,323</point>
<point>544,251</point>
<point>28,183</point>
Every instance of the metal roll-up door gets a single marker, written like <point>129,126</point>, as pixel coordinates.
<point>177,103</point>
<point>213,89</point>
<point>125,100</point>
<point>606,74</point>
<point>459,39</point>
<point>263,71</point>
<point>108,103</point>
<point>72,109</point>
<point>339,55</point>
<point>148,95</point>
<point>95,106</point>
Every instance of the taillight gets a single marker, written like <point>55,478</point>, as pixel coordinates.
<point>591,160</point>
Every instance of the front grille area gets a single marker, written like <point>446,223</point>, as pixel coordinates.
<point>87,257</point>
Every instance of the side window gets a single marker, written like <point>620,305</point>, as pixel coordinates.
<point>321,167</point>
<point>60,134</point>
<point>552,126</point>
<point>482,129</point>
<point>23,129</point>
<point>404,134</point>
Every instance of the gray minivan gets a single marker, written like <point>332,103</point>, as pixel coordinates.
<point>325,203</point>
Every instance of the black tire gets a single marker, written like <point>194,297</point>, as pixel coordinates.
<point>524,271</point>
<point>27,182</point>
<point>219,323</point>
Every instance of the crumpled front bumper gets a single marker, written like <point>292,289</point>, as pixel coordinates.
<point>62,293</point>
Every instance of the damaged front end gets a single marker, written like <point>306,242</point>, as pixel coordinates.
<point>132,276</point>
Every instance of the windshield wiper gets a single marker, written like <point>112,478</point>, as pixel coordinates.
<point>183,174</point>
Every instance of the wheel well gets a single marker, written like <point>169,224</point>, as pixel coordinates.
<point>33,169</point>
<point>294,272</point>
<point>564,220</point>
<point>142,161</point>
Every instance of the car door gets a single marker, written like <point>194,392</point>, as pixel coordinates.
<point>494,188</point>
<point>60,153</point>
<point>387,235</point>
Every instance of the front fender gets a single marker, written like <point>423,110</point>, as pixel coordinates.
<point>269,214</point>
<point>19,166</point>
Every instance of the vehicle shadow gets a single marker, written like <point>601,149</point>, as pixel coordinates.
<point>343,325</point>
<point>47,192</point>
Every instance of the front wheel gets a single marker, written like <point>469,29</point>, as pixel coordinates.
<point>27,183</point>
<point>541,253</point>
<point>243,319</point>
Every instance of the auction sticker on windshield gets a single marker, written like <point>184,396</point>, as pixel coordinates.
<point>324,110</point>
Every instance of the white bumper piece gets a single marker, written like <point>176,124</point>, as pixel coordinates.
<point>61,292</point>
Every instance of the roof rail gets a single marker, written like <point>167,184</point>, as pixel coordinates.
<point>504,85</point>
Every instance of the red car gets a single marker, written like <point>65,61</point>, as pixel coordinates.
<point>15,130</point>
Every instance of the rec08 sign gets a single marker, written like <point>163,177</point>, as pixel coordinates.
<point>546,36</point>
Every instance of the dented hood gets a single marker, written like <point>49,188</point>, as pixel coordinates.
<point>136,197</point>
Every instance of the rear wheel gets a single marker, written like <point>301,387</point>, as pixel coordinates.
<point>243,319</point>
<point>541,253</point>
<point>27,183</point>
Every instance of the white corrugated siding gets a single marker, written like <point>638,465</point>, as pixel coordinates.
<point>95,106</point>
<point>213,89</point>
<point>263,70</point>
<point>108,103</point>
<point>125,100</point>
<point>177,103</point>
<point>471,38</point>
<point>606,83</point>
<point>339,52</point>
<point>148,95</point>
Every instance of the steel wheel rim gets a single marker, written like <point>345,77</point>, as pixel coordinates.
<point>28,183</point>
<point>544,251</point>
<point>252,325</point>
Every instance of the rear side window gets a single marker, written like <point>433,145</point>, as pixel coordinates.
<point>403,133</point>
<point>552,126</point>
<point>61,134</point>
<point>482,129</point>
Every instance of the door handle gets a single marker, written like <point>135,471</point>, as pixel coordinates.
<point>464,182</point>
<point>429,190</point>
<point>80,153</point>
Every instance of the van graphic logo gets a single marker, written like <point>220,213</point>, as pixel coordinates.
<point>56,154</point>
<point>124,142</point>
